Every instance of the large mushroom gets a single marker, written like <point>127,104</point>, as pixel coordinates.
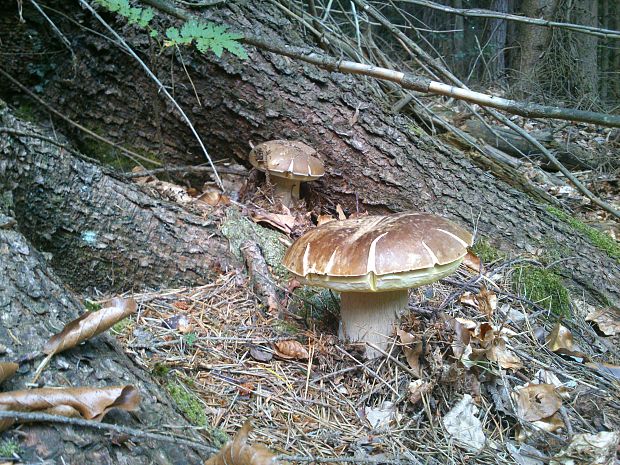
<point>289,163</point>
<point>373,261</point>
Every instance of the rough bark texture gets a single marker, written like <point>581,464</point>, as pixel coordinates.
<point>371,157</point>
<point>101,231</point>
<point>33,306</point>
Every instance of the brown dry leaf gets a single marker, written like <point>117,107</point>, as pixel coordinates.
<point>322,219</point>
<point>213,197</point>
<point>237,452</point>
<point>472,261</point>
<point>550,424</point>
<point>90,324</point>
<point>412,348</point>
<point>417,389</point>
<point>560,338</point>
<point>591,449</point>
<point>340,211</point>
<point>536,401</point>
<point>469,299</point>
<point>284,223</point>
<point>90,403</point>
<point>291,350</point>
<point>7,369</point>
<point>500,353</point>
<point>487,301</point>
<point>607,320</point>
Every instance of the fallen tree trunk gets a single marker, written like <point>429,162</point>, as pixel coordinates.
<point>34,304</point>
<point>101,231</point>
<point>374,160</point>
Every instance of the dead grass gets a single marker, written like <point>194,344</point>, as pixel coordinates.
<point>209,338</point>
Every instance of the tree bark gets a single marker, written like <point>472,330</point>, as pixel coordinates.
<point>373,160</point>
<point>34,304</point>
<point>101,231</point>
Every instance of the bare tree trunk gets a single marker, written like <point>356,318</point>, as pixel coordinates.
<point>497,42</point>
<point>373,160</point>
<point>586,12</point>
<point>532,43</point>
<point>33,305</point>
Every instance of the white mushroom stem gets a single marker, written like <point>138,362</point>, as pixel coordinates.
<point>371,317</point>
<point>286,189</point>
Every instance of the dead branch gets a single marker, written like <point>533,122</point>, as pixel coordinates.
<point>482,13</point>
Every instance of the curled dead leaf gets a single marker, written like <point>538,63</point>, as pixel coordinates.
<point>238,452</point>
<point>291,350</point>
<point>607,320</point>
<point>284,223</point>
<point>560,338</point>
<point>340,212</point>
<point>472,261</point>
<point>499,352</point>
<point>7,369</point>
<point>90,324</point>
<point>89,403</point>
<point>417,389</point>
<point>550,424</point>
<point>593,449</point>
<point>322,219</point>
<point>413,350</point>
<point>536,401</point>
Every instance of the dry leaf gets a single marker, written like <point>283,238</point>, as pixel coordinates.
<point>536,401</point>
<point>380,418</point>
<point>7,369</point>
<point>89,325</point>
<point>412,348</point>
<point>340,212</point>
<point>487,301</point>
<point>284,223</point>
<point>237,452</point>
<point>607,320</point>
<point>591,449</point>
<point>560,338</point>
<point>464,426</point>
<point>213,197</point>
<point>322,219</point>
<point>472,261</point>
<point>90,403</point>
<point>500,353</point>
<point>417,389</point>
<point>550,424</point>
<point>260,355</point>
<point>291,350</point>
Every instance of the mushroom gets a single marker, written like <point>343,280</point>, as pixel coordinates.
<point>373,261</point>
<point>288,163</point>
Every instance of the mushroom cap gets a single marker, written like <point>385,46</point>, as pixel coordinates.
<point>287,159</point>
<point>378,253</point>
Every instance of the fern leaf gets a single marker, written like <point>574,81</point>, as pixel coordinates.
<point>236,49</point>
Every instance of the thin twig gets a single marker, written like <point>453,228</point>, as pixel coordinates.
<point>160,85</point>
<point>136,433</point>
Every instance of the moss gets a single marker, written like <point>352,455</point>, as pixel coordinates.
<point>91,306</point>
<point>596,237</point>
<point>121,326</point>
<point>26,111</point>
<point>237,229</point>
<point>543,287</point>
<point>10,448</point>
<point>188,403</point>
<point>111,156</point>
<point>486,252</point>
<point>160,370</point>
<point>217,437</point>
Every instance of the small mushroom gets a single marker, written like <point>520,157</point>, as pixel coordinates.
<point>373,261</point>
<point>289,163</point>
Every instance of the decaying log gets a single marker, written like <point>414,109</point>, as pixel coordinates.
<point>34,304</point>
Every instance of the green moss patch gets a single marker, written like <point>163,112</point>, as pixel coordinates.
<point>10,448</point>
<point>598,238</point>
<point>486,252</point>
<point>542,287</point>
<point>188,403</point>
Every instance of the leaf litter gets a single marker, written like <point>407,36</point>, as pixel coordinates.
<point>461,377</point>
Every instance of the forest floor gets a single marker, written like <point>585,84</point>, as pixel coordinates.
<point>497,364</point>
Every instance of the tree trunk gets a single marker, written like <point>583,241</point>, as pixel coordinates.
<point>34,304</point>
<point>373,160</point>
<point>532,43</point>
<point>102,232</point>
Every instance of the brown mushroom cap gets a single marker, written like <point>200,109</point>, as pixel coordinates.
<point>287,159</point>
<point>378,253</point>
